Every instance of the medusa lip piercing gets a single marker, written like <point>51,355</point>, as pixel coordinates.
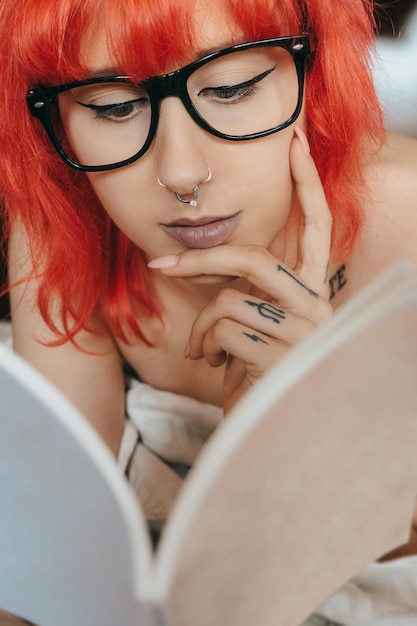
<point>196,191</point>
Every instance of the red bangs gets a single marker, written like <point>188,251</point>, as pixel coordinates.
<point>49,38</point>
<point>147,37</point>
<point>260,19</point>
<point>143,36</point>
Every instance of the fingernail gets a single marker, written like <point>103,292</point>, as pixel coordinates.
<point>187,350</point>
<point>164,261</point>
<point>303,140</point>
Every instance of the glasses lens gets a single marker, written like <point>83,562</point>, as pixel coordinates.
<point>246,92</point>
<point>103,123</point>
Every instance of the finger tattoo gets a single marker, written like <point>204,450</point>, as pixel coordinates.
<point>255,338</point>
<point>269,311</point>
<point>310,291</point>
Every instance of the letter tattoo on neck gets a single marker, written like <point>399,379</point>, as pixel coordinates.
<point>337,281</point>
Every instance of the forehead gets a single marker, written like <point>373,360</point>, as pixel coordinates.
<point>211,28</point>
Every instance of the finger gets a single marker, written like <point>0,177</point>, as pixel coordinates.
<point>259,315</point>
<point>258,266</point>
<point>315,234</point>
<point>258,352</point>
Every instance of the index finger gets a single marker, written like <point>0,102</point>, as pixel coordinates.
<point>254,263</point>
<point>316,219</point>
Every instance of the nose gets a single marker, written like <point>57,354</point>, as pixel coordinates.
<point>179,148</point>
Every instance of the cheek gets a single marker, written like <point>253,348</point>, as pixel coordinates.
<point>270,161</point>
<point>269,185</point>
<point>123,198</point>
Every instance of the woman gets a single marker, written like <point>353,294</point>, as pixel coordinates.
<point>190,188</point>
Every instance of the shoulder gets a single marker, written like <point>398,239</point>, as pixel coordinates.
<point>396,158</point>
<point>391,178</point>
<point>88,370</point>
<point>389,230</point>
<point>390,204</point>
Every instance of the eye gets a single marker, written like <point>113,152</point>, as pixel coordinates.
<point>118,112</point>
<point>232,93</point>
<point>228,92</point>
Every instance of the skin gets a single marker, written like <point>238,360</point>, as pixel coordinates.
<point>210,300</point>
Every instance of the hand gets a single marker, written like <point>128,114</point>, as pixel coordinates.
<point>250,332</point>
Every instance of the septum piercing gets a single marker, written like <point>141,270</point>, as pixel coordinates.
<point>196,190</point>
<point>192,202</point>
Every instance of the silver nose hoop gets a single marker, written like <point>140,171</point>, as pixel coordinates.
<point>196,191</point>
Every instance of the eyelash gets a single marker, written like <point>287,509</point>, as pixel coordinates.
<point>237,93</point>
<point>106,112</point>
<point>246,89</point>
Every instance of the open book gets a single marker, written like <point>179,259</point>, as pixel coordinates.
<point>310,478</point>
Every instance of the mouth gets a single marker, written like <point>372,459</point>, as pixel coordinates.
<point>205,232</point>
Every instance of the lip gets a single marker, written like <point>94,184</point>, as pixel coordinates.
<point>205,232</point>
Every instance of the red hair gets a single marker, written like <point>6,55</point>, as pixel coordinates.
<point>84,261</point>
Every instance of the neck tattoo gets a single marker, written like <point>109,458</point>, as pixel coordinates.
<point>337,281</point>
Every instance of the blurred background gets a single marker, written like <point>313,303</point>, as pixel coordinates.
<point>395,72</point>
<point>393,14</point>
<point>395,67</point>
<point>4,301</point>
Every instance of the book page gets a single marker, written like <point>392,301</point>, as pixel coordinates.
<point>321,486</point>
<point>69,526</point>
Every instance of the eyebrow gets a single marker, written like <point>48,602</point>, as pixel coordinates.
<point>113,71</point>
<point>106,71</point>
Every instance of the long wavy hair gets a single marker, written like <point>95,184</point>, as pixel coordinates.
<point>82,261</point>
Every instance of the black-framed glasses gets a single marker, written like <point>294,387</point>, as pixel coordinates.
<point>240,93</point>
